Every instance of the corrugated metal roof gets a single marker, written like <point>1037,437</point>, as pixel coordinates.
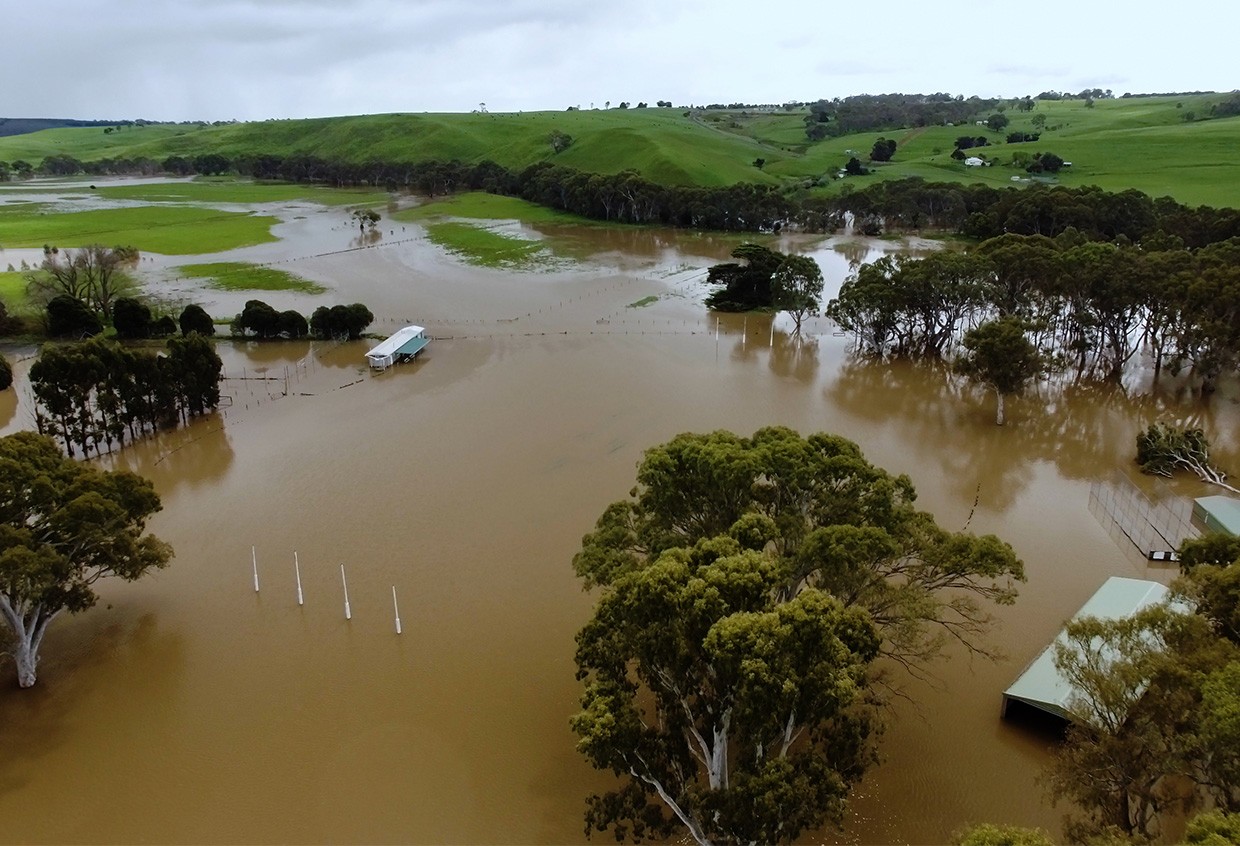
<point>1224,509</point>
<point>395,342</point>
<point>1041,685</point>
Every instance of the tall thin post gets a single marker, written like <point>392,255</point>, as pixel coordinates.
<point>745,333</point>
<point>297,569</point>
<point>771,345</point>
<point>254,561</point>
<point>396,609</point>
<point>348,613</point>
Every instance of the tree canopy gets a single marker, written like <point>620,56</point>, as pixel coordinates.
<point>796,286</point>
<point>998,354</point>
<point>745,286</point>
<point>63,526</point>
<point>748,584</point>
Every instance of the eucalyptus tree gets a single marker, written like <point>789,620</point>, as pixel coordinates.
<point>1162,449</point>
<point>796,286</point>
<point>746,586</point>
<point>64,525</point>
<point>999,355</point>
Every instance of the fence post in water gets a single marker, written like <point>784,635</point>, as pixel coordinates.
<point>348,613</point>
<point>396,609</point>
<point>297,570</point>
<point>771,344</point>
<point>254,560</point>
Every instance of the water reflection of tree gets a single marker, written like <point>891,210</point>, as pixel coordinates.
<point>366,239</point>
<point>198,454</point>
<point>1084,428</point>
<point>794,356</point>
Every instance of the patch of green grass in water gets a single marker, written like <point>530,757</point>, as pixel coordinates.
<point>242,276</point>
<point>240,191</point>
<point>480,246</point>
<point>643,302</point>
<point>478,205</point>
<point>171,230</point>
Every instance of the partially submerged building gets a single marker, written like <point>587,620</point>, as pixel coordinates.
<point>1041,686</point>
<point>1218,514</point>
<point>404,345</point>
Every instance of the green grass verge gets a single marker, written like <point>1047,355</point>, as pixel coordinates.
<point>486,248</point>
<point>171,230</point>
<point>242,276</point>
<point>643,302</point>
<point>478,205</point>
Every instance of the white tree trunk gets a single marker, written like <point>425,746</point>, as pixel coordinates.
<point>28,626</point>
<point>999,413</point>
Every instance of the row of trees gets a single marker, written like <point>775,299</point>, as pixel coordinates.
<point>882,112</point>
<point>339,322</point>
<point>1092,305</point>
<point>91,396</point>
<point>983,211</point>
<point>746,588</point>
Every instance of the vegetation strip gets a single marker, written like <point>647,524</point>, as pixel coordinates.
<point>243,276</point>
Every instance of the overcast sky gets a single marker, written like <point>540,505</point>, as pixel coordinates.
<point>255,59</point>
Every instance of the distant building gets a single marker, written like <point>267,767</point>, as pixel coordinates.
<point>974,161</point>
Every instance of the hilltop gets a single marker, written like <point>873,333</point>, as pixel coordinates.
<point>1162,145</point>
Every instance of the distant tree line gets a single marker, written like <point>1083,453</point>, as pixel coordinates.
<point>982,211</point>
<point>978,210</point>
<point>883,112</point>
<point>91,395</point>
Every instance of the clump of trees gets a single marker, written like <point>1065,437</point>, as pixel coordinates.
<point>91,396</point>
<point>883,150</point>
<point>883,112</point>
<point>767,280</point>
<point>746,587</point>
<point>340,322</point>
<point>1092,305</point>
<point>95,275</point>
<point>560,141</point>
<point>260,320</point>
<point>63,526</point>
<point>6,374</point>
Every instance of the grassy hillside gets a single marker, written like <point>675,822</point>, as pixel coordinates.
<point>1143,143</point>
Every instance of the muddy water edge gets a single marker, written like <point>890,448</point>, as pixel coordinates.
<point>188,708</point>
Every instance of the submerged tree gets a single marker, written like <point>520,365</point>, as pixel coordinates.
<point>796,286</point>
<point>63,526</point>
<point>1162,449</point>
<point>746,587</point>
<point>999,355</point>
<point>745,286</point>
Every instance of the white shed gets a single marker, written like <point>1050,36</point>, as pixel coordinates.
<point>402,346</point>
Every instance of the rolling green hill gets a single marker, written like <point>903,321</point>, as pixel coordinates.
<point>1143,143</point>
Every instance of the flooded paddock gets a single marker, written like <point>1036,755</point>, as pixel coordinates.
<point>187,708</point>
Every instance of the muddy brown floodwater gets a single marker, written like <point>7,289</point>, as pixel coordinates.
<point>187,708</point>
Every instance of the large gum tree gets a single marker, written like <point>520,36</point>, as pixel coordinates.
<point>747,587</point>
<point>63,526</point>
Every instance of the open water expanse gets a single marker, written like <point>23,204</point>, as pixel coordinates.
<point>187,708</point>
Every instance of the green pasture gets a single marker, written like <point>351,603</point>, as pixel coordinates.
<point>486,248</point>
<point>171,230</point>
<point>13,290</point>
<point>478,205</point>
<point>243,276</point>
<point>1145,143</point>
